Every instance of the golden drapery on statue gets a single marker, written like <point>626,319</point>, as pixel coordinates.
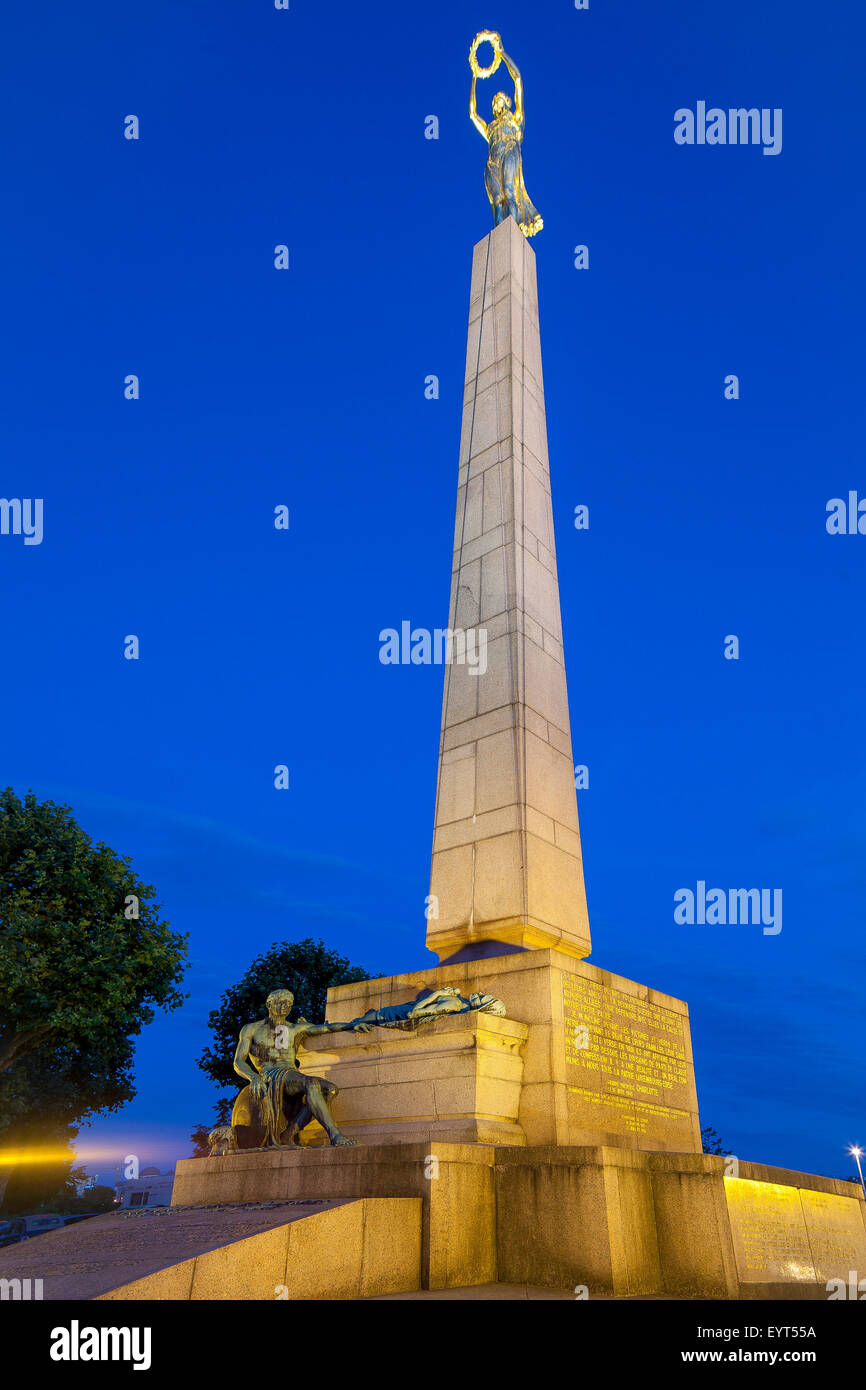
<point>503,176</point>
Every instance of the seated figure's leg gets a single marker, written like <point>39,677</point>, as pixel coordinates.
<point>319,1094</point>
<point>300,1117</point>
<point>292,1133</point>
<point>297,1115</point>
<point>248,1127</point>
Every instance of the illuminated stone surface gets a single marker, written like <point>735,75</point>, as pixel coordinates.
<point>627,1080</point>
<point>507,865</point>
<point>457,1080</point>
<point>786,1234</point>
<point>311,1248</point>
<point>349,1223</point>
<point>622,1222</point>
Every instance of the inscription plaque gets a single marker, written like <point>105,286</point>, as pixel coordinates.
<point>628,1065</point>
<point>836,1233</point>
<point>785,1234</point>
<point>771,1244</point>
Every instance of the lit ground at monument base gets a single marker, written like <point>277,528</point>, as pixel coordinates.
<point>399,1219</point>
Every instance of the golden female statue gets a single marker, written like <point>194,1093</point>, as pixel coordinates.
<point>503,176</point>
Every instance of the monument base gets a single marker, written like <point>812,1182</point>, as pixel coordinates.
<point>355,1223</point>
<point>456,1080</point>
<point>254,1251</point>
<point>612,1221</point>
<point>583,1057</point>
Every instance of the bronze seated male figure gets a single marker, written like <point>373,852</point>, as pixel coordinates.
<point>279,1101</point>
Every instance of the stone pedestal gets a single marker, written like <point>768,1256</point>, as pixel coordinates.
<point>507,869</point>
<point>613,1221</point>
<point>354,1223</point>
<point>293,1250</point>
<point>454,1181</point>
<point>583,1057</point>
<point>457,1080</point>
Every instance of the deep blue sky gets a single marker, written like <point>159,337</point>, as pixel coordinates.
<point>707,517</point>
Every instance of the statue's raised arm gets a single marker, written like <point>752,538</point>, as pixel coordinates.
<point>514,72</point>
<point>486,36</point>
<point>503,176</point>
<point>480,126</point>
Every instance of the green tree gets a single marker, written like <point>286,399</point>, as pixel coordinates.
<point>45,1185</point>
<point>94,1199</point>
<point>198,1139</point>
<point>308,968</point>
<point>40,1098</point>
<point>84,955</point>
<point>712,1141</point>
<point>85,959</point>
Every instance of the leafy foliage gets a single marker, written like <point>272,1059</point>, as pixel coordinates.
<point>198,1139</point>
<point>712,1141</point>
<point>79,978</point>
<point>94,1199</point>
<point>308,968</point>
<point>46,1185</point>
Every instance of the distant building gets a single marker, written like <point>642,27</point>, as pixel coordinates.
<point>150,1189</point>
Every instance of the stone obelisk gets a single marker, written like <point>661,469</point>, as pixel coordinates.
<point>580,1057</point>
<point>507,871</point>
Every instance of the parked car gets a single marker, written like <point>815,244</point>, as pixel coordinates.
<point>81,1216</point>
<point>25,1227</point>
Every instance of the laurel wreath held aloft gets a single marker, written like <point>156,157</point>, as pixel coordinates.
<point>487,36</point>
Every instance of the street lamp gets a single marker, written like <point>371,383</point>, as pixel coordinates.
<point>858,1154</point>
